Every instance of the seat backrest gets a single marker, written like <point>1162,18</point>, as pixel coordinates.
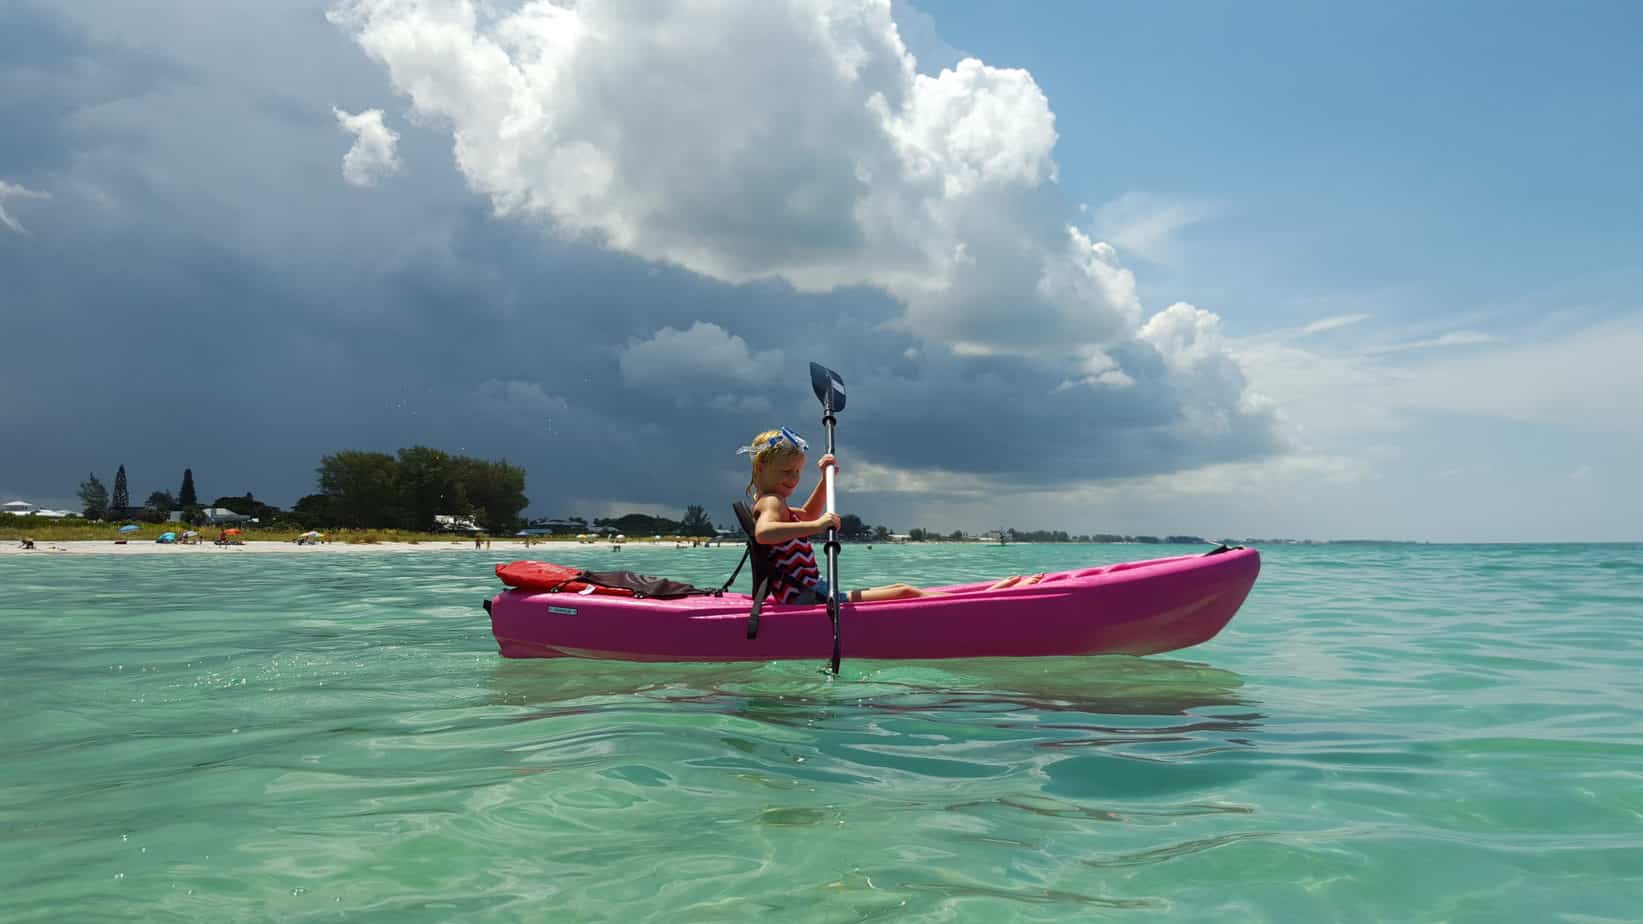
<point>757,554</point>
<point>762,571</point>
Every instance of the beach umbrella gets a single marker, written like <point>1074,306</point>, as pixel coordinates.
<point>312,534</point>
<point>130,528</point>
<point>231,532</point>
<point>189,533</point>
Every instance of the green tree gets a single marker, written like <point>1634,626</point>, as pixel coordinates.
<point>494,491</point>
<point>695,522</point>
<point>361,487</point>
<point>881,534</point>
<point>93,498</point>
<point>122,497</point>
<point>376,490</point>
<point>249,506</point>
<point>428,485</point>
<point>313,511</point>
<point>162,501</point>
<point>917,535</point>
<point>640,524</point>
<point>186,497</point>
<point>851,527</point>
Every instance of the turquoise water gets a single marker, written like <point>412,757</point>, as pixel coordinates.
<point>1384,733</point>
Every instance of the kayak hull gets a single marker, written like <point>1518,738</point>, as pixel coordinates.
<point>1134,608</point>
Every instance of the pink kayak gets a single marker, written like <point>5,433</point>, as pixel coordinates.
<point>1135,608</point>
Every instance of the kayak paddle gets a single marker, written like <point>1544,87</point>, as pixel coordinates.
<point>829,390</point>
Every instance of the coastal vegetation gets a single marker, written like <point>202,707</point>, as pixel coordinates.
<point>410,495</point>
<point>358,490</point>
<point>42,529</point>
<point>374,490</point>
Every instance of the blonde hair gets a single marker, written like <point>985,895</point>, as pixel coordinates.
<point>768,447</point>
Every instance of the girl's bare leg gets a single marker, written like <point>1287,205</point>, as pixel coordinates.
<point>904,591</point>
<point>888,592</point>
<point>1016,580</point>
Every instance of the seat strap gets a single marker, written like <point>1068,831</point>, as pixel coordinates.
<point>732,579</point>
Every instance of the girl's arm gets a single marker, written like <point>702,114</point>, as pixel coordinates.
<point>816,506</point>
<point>770,527</point>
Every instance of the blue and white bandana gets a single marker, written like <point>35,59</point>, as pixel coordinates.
<point>774,441</point>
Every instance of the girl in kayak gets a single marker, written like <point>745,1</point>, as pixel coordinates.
<point>778,464</point>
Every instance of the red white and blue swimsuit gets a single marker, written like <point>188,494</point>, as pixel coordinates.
<point>795,565</point>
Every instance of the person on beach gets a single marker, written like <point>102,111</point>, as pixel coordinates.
<point>778,458</point>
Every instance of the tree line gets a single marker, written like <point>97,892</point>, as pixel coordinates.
<point>96,503</point>
<point>697,523</point>
<point>376,490</point>
<point>357,489</point>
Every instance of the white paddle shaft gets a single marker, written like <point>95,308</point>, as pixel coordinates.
<point>827,479</point>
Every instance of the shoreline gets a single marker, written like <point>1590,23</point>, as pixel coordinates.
<point>149,547</point>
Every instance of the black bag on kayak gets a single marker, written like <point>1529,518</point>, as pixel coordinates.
<point>643,585</point>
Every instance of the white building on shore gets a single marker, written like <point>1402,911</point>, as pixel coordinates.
<point>445,522</point>
<point>222,516</point>
<point>22,508</point>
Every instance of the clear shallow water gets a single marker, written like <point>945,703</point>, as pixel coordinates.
<point>1383,733</point>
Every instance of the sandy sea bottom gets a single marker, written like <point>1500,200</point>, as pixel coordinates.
<point>1384,733</point>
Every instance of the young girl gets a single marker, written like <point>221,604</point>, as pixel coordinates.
<point>778,463</point>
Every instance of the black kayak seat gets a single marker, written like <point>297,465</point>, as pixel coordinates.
<point>764,572</point>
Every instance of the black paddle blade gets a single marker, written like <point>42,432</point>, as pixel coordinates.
<point>828,386</point>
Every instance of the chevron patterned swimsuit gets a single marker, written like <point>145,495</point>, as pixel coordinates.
<point>796,570</point>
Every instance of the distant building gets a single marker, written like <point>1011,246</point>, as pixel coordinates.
<point>545,526</point>
<point>222,516</point>
<point>22,508</point>
<point>448,523</point>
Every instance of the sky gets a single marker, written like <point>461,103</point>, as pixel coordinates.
<point>1252,271</point>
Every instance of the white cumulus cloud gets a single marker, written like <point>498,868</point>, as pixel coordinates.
<point>1185,335</point>
<point>744,139</point>
<point>700,355</point>
<point>519,400</point>
<point>798,140</point>
<point>373,154</point>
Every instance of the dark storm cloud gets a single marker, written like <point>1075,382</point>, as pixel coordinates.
<point>203,290</point>
<point>48,71</point>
